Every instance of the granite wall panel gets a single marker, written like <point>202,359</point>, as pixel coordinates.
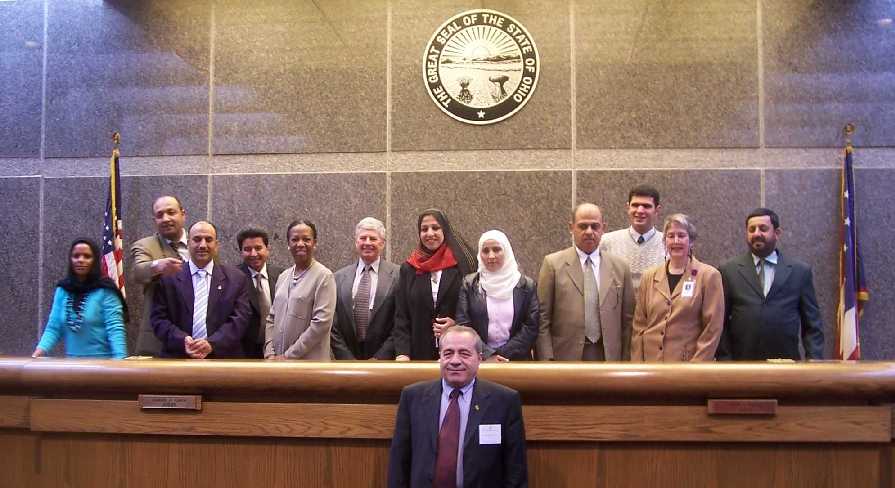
<point>666,74</point>
<point>418,124</point>
<point>300,77</point>
<point>716,200</point>
<point>21,75</point>
<point>140,68</point>
<point>875,223</point>
<point>827,64</point>
<point>810,232</point>
<point>18,278</point>
<point>333,202</point>
<point>531,207</point>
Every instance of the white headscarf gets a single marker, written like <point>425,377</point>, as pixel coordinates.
<point>499,284</point>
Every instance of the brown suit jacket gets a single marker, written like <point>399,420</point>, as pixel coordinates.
<point>671,327</point>
<point>561,297</point>
<point>143,253</point>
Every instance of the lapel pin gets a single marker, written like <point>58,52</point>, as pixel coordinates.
<point>220,287</point>
<point>476,408</point>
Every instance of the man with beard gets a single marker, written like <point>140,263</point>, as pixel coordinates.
<point>769,299</point>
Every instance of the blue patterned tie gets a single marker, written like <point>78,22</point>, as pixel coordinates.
<point>200,306</point>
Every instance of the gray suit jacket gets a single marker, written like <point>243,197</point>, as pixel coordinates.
<point>382,318</point>
<point>143,253</point>
<point>561,298</point>
<point>300,320</point>
<point>758,327</point>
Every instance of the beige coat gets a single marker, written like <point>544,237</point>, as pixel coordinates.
<point>672,327</point>
<point>300,321</point>
<point>561,297</point>
<point>143,253</point>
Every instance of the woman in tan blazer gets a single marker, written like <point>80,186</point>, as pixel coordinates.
<point>680,305</point>
<point>301,316</point>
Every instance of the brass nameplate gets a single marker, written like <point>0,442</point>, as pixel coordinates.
<point>175,402</point>
<point>742,407</point>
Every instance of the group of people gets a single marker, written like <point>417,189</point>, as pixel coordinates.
<point>636,294</point>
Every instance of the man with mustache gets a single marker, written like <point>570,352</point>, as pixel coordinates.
<point>458,430</point>
<point>769,299</point>
<point>254,249</point>
<point>158,255</point>
<point>586,297</point>
<point>365,300</point>
<point>203,310</point>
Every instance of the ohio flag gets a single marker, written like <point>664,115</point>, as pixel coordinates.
<point>852,288</point>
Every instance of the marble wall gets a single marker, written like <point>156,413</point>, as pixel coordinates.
<point>256,113</point>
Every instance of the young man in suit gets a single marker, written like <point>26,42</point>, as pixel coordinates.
<point>586,297</point>
<point>202,311</point>
<point>459,430</point>
<point>158,255</point>
<point>769,299</point>
<point>365,302</point>
<point>254,248</point>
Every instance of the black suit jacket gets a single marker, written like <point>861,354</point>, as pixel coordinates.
<point>378,344</point>
<point>758,327</point>
<point>412,457</point>
<point>414,310</point>
<point>257,323</point>
<point>226,319</point>
<point>472,310</point>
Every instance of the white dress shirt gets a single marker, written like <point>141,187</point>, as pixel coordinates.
<point>594,260</point>
<point>770,267</point>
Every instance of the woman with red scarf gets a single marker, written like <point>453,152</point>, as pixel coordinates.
<point>429,286</point>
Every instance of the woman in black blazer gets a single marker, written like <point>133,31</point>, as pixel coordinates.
<point>499,302</point>
<point>428,287</point>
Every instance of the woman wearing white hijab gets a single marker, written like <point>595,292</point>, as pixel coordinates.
<point>499,302</point>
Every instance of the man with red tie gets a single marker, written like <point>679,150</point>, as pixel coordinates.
<point>458,431</point>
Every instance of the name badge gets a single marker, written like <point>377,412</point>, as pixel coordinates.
<point>489,434</point>
<point>689,287</point>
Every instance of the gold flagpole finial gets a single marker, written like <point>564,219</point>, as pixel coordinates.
<point>116,142</point>
<point>848,131</point>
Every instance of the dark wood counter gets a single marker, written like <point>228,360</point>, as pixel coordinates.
<point>78,423</point>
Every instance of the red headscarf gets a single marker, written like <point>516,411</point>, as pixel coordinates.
<point>430,262</point>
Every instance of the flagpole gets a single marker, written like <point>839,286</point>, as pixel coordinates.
<point>113,169</point>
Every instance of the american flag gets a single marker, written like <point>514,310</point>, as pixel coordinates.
<point>113,254</point>
<point>852,288</point>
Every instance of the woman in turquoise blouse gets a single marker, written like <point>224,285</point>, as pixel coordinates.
<point>88,310</point>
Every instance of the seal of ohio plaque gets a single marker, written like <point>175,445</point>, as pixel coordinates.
<point>481,66</point>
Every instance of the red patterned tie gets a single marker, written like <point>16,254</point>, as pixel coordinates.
<point>448,445</point>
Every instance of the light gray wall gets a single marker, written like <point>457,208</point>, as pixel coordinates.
<point>261,112</point>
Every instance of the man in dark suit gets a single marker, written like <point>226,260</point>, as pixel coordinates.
<point>202,311</point>
<point>769,299</point>
<point>365,303</point>
<point>458,431</point>
<point>161,254</point>
<point>254,247</point>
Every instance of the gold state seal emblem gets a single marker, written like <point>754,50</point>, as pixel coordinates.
<point>481,66</point>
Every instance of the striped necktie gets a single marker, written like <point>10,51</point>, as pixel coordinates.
<point>362,304</point>
<point>200,305</point>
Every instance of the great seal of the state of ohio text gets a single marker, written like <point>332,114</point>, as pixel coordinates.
<point>481,66</point>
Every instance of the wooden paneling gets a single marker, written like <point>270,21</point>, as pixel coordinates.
<point>691,423</point>
<point>14,411</point>
<point>136,461</point>
<point>217,418</point>
<point>556,422</point>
